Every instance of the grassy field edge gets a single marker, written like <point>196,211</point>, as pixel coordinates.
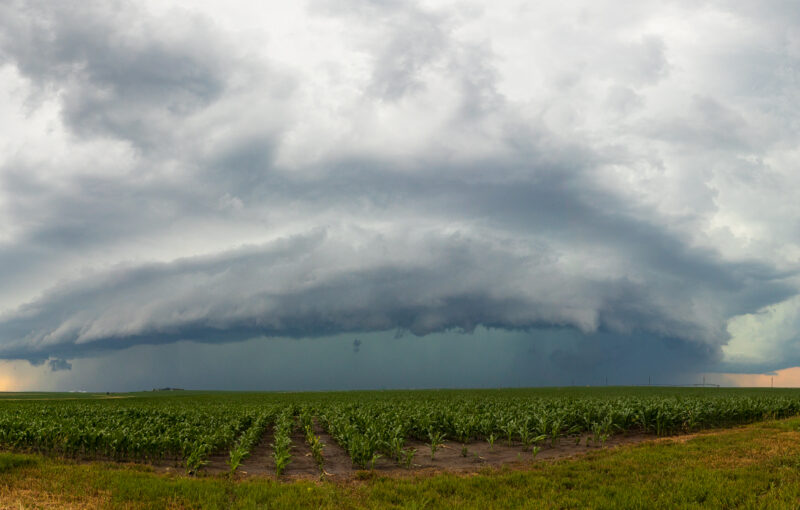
<point>754,466</point>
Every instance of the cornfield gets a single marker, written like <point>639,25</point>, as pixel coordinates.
<point>189,427</point>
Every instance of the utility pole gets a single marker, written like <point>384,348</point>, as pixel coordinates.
<point>648,380</point>
<point>771,382</point>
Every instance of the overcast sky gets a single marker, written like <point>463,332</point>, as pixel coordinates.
<point>370,194</point>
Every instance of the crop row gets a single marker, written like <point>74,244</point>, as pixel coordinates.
<point>125,433</point>
<point>375,429</point>
<point>190,429</point>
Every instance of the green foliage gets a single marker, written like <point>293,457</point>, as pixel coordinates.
<point>241,449</point>
<point>748,467</point>
<point>282,441</point>
<point>316,446</point>
<point>435,440</point>
<point>408,457</point>
<point>9,461</point>
<point>189,427</point>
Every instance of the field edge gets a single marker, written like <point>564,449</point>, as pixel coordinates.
<point>756,465</point>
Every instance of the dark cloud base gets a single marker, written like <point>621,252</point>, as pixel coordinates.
<point>506,220</point>
<point>486,358</point>
<point>279,290</point>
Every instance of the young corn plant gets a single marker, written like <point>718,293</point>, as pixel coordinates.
<point>306,419</point>
<point>237,454</point>
<point>528,439</point>
<point>280,453</point>
<point>375,457</point>
<point>602,431</point>
<point>464,429</point>
<point>491,438</point>
<point>543,424</point>
<point>408,457</point>
<point>395,446</point>
<point>508,429</point>
<point>316,446</point>
<point>555,430</point>
<point>363,449</point>
<point>436,440</point>
<point>282,443</point>
<point>282,459</point>
<point>241,449</point>
<point>197,459</point>
<point>525,436</point>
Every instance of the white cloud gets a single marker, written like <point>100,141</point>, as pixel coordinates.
<point>769,337</point>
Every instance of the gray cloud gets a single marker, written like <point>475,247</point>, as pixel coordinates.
<point>283,289</point>
<point>427,171</point>
<point>59,364</point>
<point>486,358</point>
<point>118,71</point>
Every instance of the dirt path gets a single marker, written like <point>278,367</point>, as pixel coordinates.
<point>337,463</point>
<point>449,457</point>
<point>260,461</point>
<point>455,456</point>
<point>302,464</point>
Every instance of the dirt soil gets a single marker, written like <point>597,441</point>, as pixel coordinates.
<point>448,457</point>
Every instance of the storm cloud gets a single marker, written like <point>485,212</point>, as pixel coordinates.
<point>200,173</point>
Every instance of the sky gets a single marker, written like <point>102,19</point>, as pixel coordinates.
<point>352,194</point>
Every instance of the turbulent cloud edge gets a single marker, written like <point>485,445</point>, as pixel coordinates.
<point>422,182</point>
<point>280,289</point>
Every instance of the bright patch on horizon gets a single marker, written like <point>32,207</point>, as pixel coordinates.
<point>8,383</point>
<point>786,378</point>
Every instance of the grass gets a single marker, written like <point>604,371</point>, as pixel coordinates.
<point>756,466</point>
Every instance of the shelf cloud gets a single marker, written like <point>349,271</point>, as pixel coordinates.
<point>196,172</point>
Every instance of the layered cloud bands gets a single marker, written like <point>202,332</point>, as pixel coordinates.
<point>213,173</point>
<point>344,281</point>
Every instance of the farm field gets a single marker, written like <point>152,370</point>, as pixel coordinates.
<point>342,444</point>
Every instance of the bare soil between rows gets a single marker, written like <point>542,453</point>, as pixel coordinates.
<point>452,456</point>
